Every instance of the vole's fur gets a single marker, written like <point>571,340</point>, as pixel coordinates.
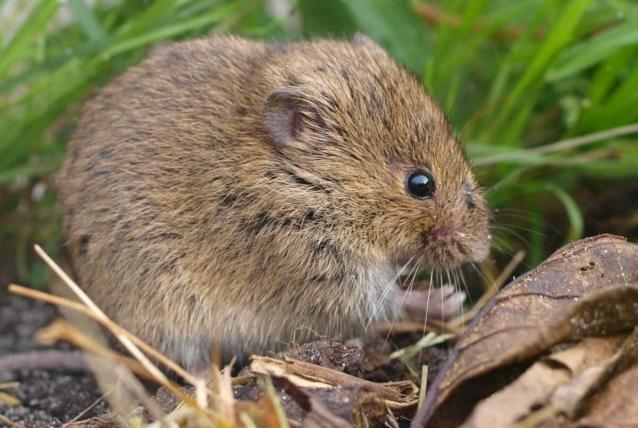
<point>205,204</point>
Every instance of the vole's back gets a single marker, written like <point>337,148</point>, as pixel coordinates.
<point>165,194</point>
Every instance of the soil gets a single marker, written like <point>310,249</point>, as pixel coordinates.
<point>48,397</point>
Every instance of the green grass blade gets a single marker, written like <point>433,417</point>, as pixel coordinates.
<point>29,171</point>
<point>608,73</point>
<point>170,31</point>
<point>502,83</point>
<point>326,18</point>
<point>559,36</point>
<point>573,211</point>
<point>148,18</point>
<point>619,109</point>
<point>87,21</point>
<point>394,25</point>
<point>492,155</point>
<point>591,52</point>
<point>42,12</point>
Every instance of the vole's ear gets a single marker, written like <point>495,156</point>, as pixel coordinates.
<point>284,112</point>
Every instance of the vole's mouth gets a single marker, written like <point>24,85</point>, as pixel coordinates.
<point>431,259</point>
<point>442,255</point>
<point>450,254</point>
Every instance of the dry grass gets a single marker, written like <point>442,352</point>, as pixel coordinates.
<point>212,406</point>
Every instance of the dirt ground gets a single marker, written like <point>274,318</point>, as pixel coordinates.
<point>48,398</point>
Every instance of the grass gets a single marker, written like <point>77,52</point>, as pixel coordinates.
<point>514,77</point>
<point>212,406</point>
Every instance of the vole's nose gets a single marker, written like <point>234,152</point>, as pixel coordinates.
<point>443,232</point>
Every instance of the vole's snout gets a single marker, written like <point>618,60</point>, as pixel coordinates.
<point>449,245</point>
<point>460,235</point>
<point>443,233</point>
<point>449,239</point>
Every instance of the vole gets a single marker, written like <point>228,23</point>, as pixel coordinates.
<point>233,192</point>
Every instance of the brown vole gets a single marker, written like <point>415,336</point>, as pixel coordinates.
<point>234,192</point>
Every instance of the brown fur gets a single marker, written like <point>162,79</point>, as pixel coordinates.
<point>193,214</point>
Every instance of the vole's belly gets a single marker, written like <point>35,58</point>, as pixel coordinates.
<point>238,331</point>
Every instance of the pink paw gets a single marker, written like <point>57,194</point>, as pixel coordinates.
<point>434,304</point>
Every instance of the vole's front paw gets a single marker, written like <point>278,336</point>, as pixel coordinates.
<point>434,304</point>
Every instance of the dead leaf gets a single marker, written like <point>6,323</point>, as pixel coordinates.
<point>616,405</point>
<point>549,380</point>
<point>585,289</point>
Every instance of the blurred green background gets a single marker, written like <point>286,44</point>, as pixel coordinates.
<point>515,77</point>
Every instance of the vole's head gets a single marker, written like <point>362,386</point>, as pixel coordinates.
<point>380,157</point>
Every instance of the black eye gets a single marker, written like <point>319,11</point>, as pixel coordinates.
<point>421,184</point>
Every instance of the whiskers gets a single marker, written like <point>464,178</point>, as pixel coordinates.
<point>387,290</point>
<point>412,276</point>
<point>452,288</point>
<point>442,300</point>
<point>411,280</point>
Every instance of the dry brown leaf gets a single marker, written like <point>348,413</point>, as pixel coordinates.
<point>541,383</point>
<point>617,305</point>
<point>570,397</point>
<point>585,289</point>
<point>616,404</point>
<point>569,400</point>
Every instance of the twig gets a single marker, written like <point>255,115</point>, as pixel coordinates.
<point>85,411</point>
<point>60,360</point>
<point>9,385</point>
<point>111,326</point>
<point>106,322</point>
<point>424,385</point>
<point>26,292</point>
<point>311,375</point>
<point>491,291</point>
<point>409,326</point>
<point>62,330</point>
<point>128,344</point>
<point>568,144</point>
<point>65,331</point>
<point>9,422</point>
<point>136,387</point>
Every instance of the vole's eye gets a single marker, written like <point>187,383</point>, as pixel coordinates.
<point>421,184</point>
